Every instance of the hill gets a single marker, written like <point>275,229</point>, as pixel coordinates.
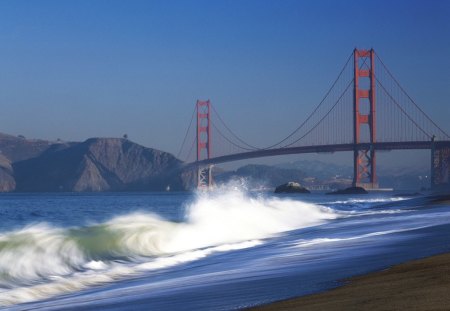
<point>319,169</point>
<point>316,174</point>
<point>19,148</point>
<point>113,164</point>
<point>7,181</point>
<point>99,164</point>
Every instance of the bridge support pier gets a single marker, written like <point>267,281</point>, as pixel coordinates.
<point>440,168</point>
<point>205,179</point>
<point>365,169</point>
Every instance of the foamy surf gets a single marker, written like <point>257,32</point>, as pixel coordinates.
<point>368,200</point>
<point>317,241</point>
<point>41,261</point>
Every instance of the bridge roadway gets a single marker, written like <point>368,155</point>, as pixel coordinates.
<point>323,149</point>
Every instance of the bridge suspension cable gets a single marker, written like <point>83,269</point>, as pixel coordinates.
<point>323,118</point>
<point>315,110</point>
<point>332,121</point>
<point>228,140</point>
<point>186,135</point>
<point>409,97</point>
<point>232,133</point>
<point>342,122</point>
<point>401,109</point>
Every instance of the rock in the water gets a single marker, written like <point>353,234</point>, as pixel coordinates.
<point>350,190</point>
<point>291,187</point>
<point>254,174</point>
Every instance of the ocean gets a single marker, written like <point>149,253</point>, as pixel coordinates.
<point>222,250</point>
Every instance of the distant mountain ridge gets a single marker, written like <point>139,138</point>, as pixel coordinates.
<point>314,173</point>
<point>97,164</point>
<point>14,149</point>
<point>19,148</point>
<point>319,169</point>
<point>116,164</point>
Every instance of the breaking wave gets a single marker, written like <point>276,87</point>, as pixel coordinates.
<point>40,261</point>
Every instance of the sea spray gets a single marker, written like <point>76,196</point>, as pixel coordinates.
<point>40,261</point>
<point>36,252</point>
<point>232,216</point>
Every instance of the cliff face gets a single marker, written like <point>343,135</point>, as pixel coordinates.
<point>14,149</point>
<point>18,149</point>
<point>99,164</point>
<point>7,182</point>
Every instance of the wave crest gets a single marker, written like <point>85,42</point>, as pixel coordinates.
<point>40,255</point>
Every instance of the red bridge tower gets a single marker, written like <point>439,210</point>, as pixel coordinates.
<point>204,174</point>
<point>364,160</point>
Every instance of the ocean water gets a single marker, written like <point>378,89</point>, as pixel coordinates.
<point>223,250</point>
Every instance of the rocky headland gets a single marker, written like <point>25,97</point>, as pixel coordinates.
<point>97,164</point>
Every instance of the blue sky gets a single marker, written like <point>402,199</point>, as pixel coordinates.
<point>77,69</point>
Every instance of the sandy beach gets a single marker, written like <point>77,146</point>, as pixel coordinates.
<point>416,285</point>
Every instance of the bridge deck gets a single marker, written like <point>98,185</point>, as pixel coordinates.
<point>324,149</point>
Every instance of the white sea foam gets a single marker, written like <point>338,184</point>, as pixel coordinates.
<point>368,200</point>
<point>370,212</point>
<point>37,251</point>
<point>233,216</point>
<point>41,261</point>
<point>312,242</point>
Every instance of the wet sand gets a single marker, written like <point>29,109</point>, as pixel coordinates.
<point>417,285</point>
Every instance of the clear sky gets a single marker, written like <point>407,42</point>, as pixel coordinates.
<point>77,69</point>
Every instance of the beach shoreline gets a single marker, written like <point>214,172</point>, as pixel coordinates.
<point>422,284</point>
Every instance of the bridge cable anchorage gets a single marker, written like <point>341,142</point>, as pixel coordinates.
<point>409,97</point>
<point>320,121</point>
<point>232,133</point>
<point>402,110</point>
<point>315,110</point>
<point>186,135</point>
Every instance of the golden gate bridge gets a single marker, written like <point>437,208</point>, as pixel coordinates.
<point>364,111</point>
